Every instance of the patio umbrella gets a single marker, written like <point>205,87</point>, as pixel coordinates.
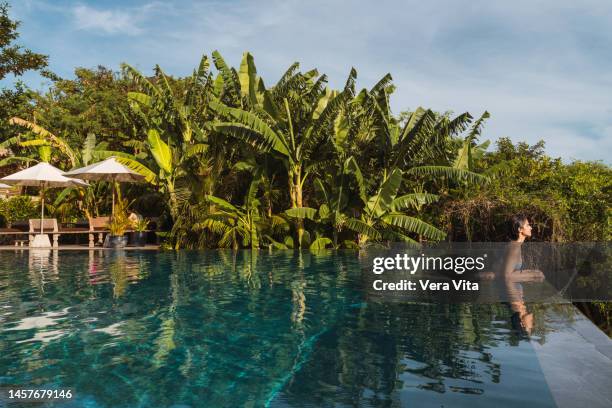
<point>107,170</point>
<point>42,175</point>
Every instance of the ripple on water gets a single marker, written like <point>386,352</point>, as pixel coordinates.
<point>216,328</point>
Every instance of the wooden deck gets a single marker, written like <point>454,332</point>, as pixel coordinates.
<point>95,237</point>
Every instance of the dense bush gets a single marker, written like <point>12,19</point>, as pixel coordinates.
<point>18,208</point>
<point>565,202</point>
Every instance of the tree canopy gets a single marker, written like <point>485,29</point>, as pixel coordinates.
<point>231,161</point>
<point>14,58</point>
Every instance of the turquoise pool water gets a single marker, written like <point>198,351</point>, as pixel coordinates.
<point>223,329</point>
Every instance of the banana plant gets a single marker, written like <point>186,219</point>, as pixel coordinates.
<point>422,144</point>
<point>469,150</point>
<point>384,219</point>
<point>45,142</point>
<point>240,89</point>
<point>236,224</point>
<point>292,123</point>
<point>350,129</point>
<point>174,127</point>
<point>335,194</point>
<point>178,117</point>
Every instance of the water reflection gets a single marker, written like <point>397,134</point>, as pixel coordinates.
<point>223,328</point>
<point>43,266</point>
<point>509,278</point>
<point>115,267</point>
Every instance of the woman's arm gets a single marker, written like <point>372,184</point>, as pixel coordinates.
<point>529,275</point>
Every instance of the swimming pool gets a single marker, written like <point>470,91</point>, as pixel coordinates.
<point>232,329</point>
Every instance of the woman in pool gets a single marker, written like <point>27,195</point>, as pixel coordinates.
<point>520,230</point>
<point>514,273</point>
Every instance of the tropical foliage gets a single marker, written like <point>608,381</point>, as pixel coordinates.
<point>233,162</point>
<point>17,208</point>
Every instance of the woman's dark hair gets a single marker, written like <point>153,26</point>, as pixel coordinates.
<point>516,222</point>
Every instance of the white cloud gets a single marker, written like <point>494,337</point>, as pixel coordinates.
<point>541,68</point>
<point>107,21</point>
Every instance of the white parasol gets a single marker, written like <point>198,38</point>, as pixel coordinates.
<point>107,170</point>
<point>42,175</point>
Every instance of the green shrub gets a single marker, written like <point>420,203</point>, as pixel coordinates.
<point>18,208</point>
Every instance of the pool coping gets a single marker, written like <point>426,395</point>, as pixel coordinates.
<point>576,360</point>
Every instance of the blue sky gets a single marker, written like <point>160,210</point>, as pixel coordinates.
<point>542,68</point>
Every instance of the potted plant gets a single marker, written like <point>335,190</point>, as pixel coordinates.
<point>119,223</point>
<point>139,236</point>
